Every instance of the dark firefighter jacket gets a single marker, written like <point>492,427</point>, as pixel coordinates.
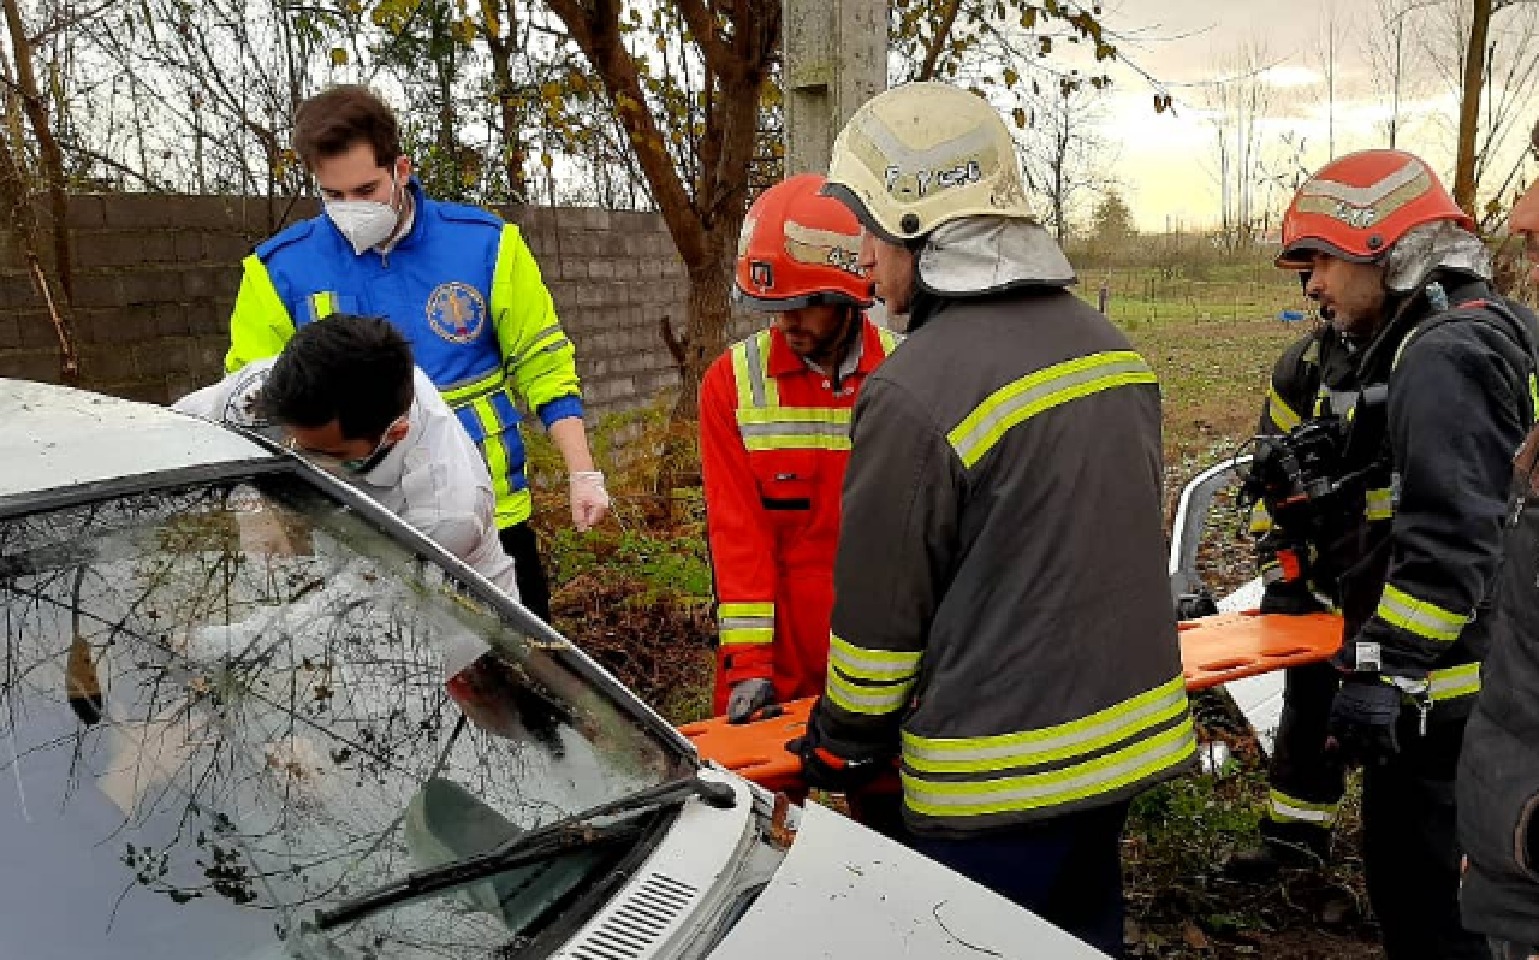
<point>1498,779</point>
<point>1003,615</point>
<point>1414,572</point>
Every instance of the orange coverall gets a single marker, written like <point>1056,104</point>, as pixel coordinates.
<point>774,440</point>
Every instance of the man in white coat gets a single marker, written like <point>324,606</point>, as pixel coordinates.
<point>349,398</point>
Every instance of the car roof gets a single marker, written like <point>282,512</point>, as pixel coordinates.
<point>54,437</point>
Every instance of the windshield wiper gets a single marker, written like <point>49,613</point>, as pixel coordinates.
<point>571,833</point>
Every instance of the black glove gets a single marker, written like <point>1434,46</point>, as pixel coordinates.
<point>747,697</point>
<point>824,770</point>
<point>1363,720</point>
<point>1293,599</point>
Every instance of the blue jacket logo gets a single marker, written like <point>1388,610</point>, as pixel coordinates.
<point>456,311</point>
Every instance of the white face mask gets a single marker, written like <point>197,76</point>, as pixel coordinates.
<point>365,223</point>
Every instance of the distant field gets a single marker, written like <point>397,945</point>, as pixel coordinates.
<point>1212,341</point>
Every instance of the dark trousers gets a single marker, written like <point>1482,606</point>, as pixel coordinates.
<point>1410,851</point>
<point>1300,769</point>
<point>519,542</point>
<point>1066,870</point>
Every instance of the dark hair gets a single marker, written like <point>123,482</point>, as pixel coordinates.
<point>354,370</point>
<point>333,121</point>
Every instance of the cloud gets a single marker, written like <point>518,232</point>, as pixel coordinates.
<point>1287,76</point>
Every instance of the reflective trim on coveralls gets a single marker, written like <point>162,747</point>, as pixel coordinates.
<point>1017,402</point>
<point>1282,808</point>
<point>1280,412</point>
<point>1451,683</point>
<point>763,423</point>
<point>1119,722</point>
<point>794,428</point>
<point>745,624</point>
<point>1104,774</point>
<point>1380,504</point>
<point>1424,619</point>
<point>1260,520</point>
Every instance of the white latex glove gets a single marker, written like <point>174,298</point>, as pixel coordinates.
<point>590,501</point>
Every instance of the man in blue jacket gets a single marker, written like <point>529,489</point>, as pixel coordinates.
<point>456,280</point>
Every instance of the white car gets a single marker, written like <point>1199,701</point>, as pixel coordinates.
<point>245,713</point>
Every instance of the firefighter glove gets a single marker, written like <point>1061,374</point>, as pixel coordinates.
<point>822,769</point>
<point>749,697</point>
<point>1363,720</point>
<point>1290,598</point>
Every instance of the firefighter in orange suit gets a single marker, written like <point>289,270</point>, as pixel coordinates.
<point>774,439</point>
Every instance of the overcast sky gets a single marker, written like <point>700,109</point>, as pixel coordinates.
<point>1164,163</point>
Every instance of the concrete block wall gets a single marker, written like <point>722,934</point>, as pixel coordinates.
<point>156,278</point>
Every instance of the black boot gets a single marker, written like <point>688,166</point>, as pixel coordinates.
<point>1283,846</point>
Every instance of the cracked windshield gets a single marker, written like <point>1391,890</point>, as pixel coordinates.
<point>229,706</point>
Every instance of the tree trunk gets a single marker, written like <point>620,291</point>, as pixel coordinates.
<point>1469,105</point>
<point>513,151</point>
<point>710,321</point>
<point>49,154</point>
<point>55,287</point>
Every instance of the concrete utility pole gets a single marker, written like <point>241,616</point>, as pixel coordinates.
<point>835,60</point>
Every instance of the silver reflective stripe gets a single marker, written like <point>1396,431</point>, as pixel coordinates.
<point>809,428</point>
<point>755,371</point>
<point>747,623</point>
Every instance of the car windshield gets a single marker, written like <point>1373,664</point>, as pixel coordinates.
<point>228,705</point>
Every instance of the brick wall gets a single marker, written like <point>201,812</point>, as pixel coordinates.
<point>156,277</point>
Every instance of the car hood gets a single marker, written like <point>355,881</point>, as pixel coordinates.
<point>53,437</point>
<point>845,891</point>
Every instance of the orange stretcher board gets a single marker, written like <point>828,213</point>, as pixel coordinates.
<point>1214,650</point>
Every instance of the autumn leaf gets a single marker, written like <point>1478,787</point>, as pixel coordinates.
<point>338,57</point>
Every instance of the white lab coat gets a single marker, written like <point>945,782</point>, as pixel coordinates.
<point>434,479</point>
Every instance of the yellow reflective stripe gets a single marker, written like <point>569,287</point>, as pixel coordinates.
<point>889,340</point>
<point>862,663</point>
<point>795,415</point>
<point>797,441</point>
<point>1013,751</point>
<point>1282,415</point>
<point>1017,402</point>
<point>1284,809</point>
<point>1260,520</point>
<point>1451,683</point>
<point>761,350</point>
<point>492,446</point>
<point>1418,616</point>
<point>1104,774</point>
<point>746,623</point>
<point>322,305</point>
<point>746,636</point>
<point>458,394</point>
<point>744,379</point>
<point>1381,504</point>
<point>1533,397</point>
<point>730,609</point>
<point>864,699</point>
